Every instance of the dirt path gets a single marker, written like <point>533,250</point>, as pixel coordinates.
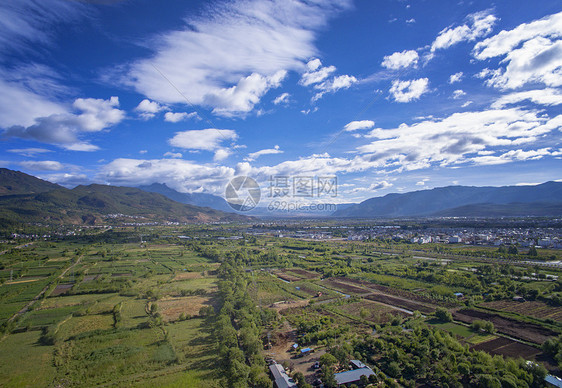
<point>371,292</point>
<point>27,306</point>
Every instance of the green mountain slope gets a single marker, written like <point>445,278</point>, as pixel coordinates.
<point>97,204</point>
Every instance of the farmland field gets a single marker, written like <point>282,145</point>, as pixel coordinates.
<point>533,309</point>
<point>191,313</point>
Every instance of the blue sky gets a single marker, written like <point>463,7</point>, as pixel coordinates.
<point>387,95</point>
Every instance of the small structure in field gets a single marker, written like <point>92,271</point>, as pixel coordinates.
<point>280,377</point>
<point>354,375</point>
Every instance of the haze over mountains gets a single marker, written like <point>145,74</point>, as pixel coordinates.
<point>464,201</point>
<point>24,199</point>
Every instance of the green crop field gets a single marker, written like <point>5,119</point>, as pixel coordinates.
<point>203,312</point>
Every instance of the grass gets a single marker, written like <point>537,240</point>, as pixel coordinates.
<point>47,317</point>
<point>191,341</point>
<point>133,312</point>
<point>480,338</point>
<point>78,325</point>
<point>24,362</point>
<point>115,355</point>
<point>454,328</point>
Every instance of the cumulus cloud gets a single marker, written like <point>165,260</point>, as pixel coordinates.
<point>457,77</point>
<point>67,179</point>
<point>400,60</point>
<point>147,109</point>
<point>221,154</point>
<point>319,77</point>
<point>316,73</point>
<point>233,76</point>
<point>532,53</point>
<point>176,117</point>
<point>460,138</point>
<point>209,139</point>
<point>269,151</point>
<point>458,94</point>
<point>479,25</point>
<point>546,97</point>
<point>178,174</point>
<point>406,91</point>
<point>355,125</point>
<point>65,129</point>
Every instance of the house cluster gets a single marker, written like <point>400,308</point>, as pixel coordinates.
<point>544,238</point>
<point>357,372</point>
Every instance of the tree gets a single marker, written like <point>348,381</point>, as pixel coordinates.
<point>489,327</point>
<point>533,251</point>
<point>443,315</point>
<point>328,359</point>
<point>328,377</point>
<point>512,250</point>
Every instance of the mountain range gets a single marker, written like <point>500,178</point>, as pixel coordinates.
<point>464,201</point>
<point>25,199</point>
<point>197,199</point>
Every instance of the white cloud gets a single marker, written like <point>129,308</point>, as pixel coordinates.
<point>25,23</point>
<point>318,77</point>
<point>142,152</point>
<point>459,138</point>
<point>64,129</point>
<point>406,91</point>
<point>333,85</point>
<point>412,20</point>
<point>533,54</point>
<point>253,44</point>
<point>221,154</point>
<point>269,151</point>
<point>457,77</point>
<point>480,24</point>
<point>44,165</point>
<point>29,152</point>
<point>175,117</point>
<point>458,94</point>
<point>174,155</point>
<point>376,186</point>
<point>178,174</point>
<point>209,139</point>
<point>147,109</point>
<point>21,105</point>
<point>547,97</point>
<point>67,179</point>
<point>282,99</point>
<point>402,59</point>
<point>467,103</point>
<point>316,73</point>
<point>355,125</point>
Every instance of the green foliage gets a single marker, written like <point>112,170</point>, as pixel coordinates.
<point>443,315</point>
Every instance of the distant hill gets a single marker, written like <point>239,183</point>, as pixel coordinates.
<point>16,182</point>
<point>95,204</point>
<point>197,199</point>
<point>463,201</point>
